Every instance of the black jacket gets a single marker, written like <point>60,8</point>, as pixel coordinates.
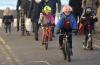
<point>35,9</point>
<point>7,19</point>
<point>76,5</point>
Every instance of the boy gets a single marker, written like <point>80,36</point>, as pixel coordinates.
<point>66,24</point>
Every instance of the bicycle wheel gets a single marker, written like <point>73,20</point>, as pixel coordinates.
<point>89,45</point>
<point>68,52</point>
<point>46,43</point>
<point>64,49</point>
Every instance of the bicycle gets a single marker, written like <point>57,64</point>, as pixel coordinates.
<point>45,33</point>
<point>89,39</point>
<point>66,48</point>
<point>89,43</point>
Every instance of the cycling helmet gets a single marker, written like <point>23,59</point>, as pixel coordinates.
<point>88,10</point>
<point>37,1</point>
<point>47,9</point>
<point>66,8</point>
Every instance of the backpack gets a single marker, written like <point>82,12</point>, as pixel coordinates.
<point>66,24</point>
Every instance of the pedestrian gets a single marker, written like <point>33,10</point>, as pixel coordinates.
<point>77,10</point>
<point>34,11</point>
<point>22,12</point>
<point>7,20</point>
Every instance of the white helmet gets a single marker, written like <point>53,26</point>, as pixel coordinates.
<point>88,9</point>
<point>37,1</point>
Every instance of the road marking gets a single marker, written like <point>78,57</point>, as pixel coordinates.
<point>7,56</point>
<point>97,46</point>
<point>10,55</point>
<point>42,62</point>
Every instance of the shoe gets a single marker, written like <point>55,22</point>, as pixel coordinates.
<point>71,52</point>
<point>84,46</point>
<point>36,39</point>
<point>50,39</point>
<point>61,47</point>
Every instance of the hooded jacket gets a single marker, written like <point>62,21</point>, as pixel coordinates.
<point>71,20</point>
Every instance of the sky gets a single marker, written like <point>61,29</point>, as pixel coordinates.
<point>64,2</point>
<point>12,3</point>
<point>8,3</point>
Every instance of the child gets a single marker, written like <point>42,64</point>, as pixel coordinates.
<point>88,18</point>
<point>46,19</point>
<point>7,20</point>
<point>66,24</point>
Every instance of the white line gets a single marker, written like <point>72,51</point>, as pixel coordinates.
<point>97,46</point>
<point>42,62</point>
<point>10,51</point>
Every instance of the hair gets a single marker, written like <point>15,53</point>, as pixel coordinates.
<point>6,11</point>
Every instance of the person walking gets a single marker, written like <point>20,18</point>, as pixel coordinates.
<point>22,12</point>
<point>34,11</point>
<point>77,10</point>
<point>7,20</point>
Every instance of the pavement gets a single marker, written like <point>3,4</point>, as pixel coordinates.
<point>24,50</point>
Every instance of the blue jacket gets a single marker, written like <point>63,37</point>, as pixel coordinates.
<point>70,18</point>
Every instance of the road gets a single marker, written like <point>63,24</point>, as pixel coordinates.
<point>23,50</point>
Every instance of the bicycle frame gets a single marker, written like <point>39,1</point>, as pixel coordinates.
<point>66,48</point>
<point>89,41</point>
<point>89,32</point>
<point>45,35</point>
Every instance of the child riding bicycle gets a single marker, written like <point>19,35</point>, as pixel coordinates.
<point>88,18</point>
<point>66,24</point>
<point>46,20</point>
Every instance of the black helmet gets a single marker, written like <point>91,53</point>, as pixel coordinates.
<point>88,10</point>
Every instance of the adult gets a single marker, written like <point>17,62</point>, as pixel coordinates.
<point>35,9</point>
<point>21,14</point>
<point>77,9</point>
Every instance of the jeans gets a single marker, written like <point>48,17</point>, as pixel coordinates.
<point>8,28</point>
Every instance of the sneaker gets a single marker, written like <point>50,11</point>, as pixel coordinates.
<point>61,47</point>
<point>84,45</point>
<point>71,52</point>
<point>36,39</point>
